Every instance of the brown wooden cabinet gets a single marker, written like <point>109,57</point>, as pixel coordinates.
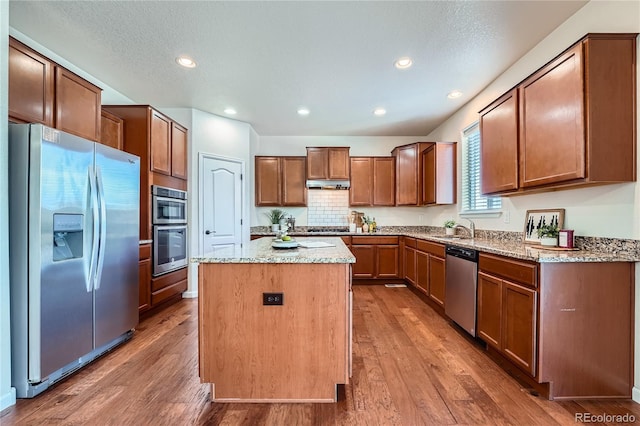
<point>410,273</point>
<point>376,257</point>
<point>144,278</point>
<point>424,267</point>
<point>41,91</point>
<point>328,163</point>
<point>437,279</point>
<point>168,286</point>
<point>372,181</point>
<point>425,173</point>
<point>575,121</point>
<point>111,130</point>
<point>280,181</point>
<point>149,135</point>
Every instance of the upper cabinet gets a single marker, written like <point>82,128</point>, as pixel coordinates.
<point>280,181</point>
<point>41,91</point>
<point>575,121</point>
<point>372,181</point>
<point>328,163</point>
<point>111,130</point>
<point>425,173</point>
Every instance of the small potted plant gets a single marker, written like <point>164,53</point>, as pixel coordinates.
<point>448,227</point>
<point>548,235</point>
<point>275,216</point>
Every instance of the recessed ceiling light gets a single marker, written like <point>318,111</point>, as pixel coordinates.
<point>403,63</point>
<point>230,111</point>
<point>303,111</point>
<point>379,111</point>
<point>186,61</point>
<point>454,94</point>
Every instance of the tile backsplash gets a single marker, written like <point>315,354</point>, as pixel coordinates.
<point>327,207</point>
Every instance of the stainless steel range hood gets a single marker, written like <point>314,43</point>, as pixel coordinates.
<point>328,184</point>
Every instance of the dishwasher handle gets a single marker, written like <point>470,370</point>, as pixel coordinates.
<point>462,252</point>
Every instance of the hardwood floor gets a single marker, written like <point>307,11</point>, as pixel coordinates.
<point>410,367</point>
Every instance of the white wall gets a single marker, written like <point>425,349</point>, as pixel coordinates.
<point>218,136</point>
<point>7,393</point>
<point>605,211</point>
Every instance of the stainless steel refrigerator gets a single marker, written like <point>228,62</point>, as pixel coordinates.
<point>74,214</point>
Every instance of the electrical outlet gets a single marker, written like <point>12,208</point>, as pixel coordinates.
<point>506,217</point>
<point>272,299</point>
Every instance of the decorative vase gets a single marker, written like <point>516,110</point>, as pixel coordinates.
<point>275,227</point>
<point>449,231</point>
<point>549,241</point>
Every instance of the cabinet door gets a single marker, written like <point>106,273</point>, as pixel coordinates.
<point>360,192</point>
<point>111,130</point>
<point>294,190</point>
<point>429,175</point>
<point>422,271</point>
<point>77,105</point>
<point>338,163</point>
<point>317,163</point>
<point>406,175</point>
<point>490,309</point>
<point>410,265</point>
<point>499,145</point>
<point>178,151</point>
<point>267,181</point>
<point>144,285</point>
<point>160,140</point>
<point>365,266</point>
<point>436,279</point>
<point>384,181</point>
<point>30,85</point>
<point>552,143</point>
<point>387,261</point>
<point>519,325</point>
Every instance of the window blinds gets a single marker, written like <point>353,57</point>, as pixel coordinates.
<point>472,200</point>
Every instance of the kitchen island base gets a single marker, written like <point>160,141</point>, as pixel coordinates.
<point>251,351</point>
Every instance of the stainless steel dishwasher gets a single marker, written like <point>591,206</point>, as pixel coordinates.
<point>461,286</point>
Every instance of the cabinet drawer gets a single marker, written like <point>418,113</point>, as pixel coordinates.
<point>374,240</point>
<point>430,247</point>
<point>166,292</point>
<point>410,242</point>
<point>145,251</point>
<point>517,270</point>
<point>168,279</point>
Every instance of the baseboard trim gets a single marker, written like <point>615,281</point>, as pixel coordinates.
<point>190,294</point>
<point>635,394</point>
<point>8,399</point>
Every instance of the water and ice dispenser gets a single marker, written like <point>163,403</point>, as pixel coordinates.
<point>68,236</point>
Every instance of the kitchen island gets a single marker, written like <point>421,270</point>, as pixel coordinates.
<point>275,325</point>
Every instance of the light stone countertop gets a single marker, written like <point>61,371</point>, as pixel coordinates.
<point>508,247</point>
<point>260,251</point>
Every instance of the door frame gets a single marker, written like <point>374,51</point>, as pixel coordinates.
<point>201,157</point>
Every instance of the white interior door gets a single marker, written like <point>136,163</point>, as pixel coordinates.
<point>220,202</point>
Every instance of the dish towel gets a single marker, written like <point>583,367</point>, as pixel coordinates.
<point>315,244</point>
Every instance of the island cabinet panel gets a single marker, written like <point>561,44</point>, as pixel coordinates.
<point>111,130</point>
<point>31,85</point>
<point>243,343</point>
<point>586,329</point>
<point>575,120</point>
<point>499,145</point>
<point>328,163</point>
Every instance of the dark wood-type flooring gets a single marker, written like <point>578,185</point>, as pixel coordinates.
<point>410,367</point>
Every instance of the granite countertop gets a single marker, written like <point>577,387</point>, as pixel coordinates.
<point>504,244</point>
<point>260,251</point>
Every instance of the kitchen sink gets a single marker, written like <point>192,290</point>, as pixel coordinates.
<point>332,230</point>
<point>455,237</point>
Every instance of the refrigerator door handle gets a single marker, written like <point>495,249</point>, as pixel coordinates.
<point>103,228</point>
<point>96,229</point>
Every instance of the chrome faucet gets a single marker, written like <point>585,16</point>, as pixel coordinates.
<point>471,230</point>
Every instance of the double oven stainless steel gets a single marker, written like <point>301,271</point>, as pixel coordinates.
<point>169,210</point>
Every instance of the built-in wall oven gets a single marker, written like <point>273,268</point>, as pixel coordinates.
<point>169,217</point>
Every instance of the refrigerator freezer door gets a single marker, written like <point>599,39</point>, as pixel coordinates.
<point>116,294</point>
<point>60,236</point>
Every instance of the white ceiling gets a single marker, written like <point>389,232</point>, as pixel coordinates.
<point>268,58</point>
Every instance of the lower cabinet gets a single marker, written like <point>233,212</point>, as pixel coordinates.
<point>436,279</point>
<point>410,272</point>
<point>376,257</point>
<point>168,285</point>
<point>425,268</point>
<point>144,278</point>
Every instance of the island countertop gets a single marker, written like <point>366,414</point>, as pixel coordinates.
<point>260,251</point>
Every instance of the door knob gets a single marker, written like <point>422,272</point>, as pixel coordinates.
<point>209,232</point>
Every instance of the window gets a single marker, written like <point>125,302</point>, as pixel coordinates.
<point>472,200</point>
